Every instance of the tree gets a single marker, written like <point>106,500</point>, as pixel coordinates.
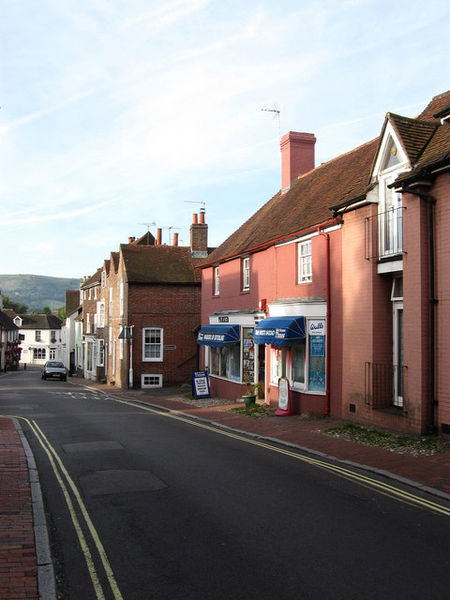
<point>17,307</point>
<point>46,310</point>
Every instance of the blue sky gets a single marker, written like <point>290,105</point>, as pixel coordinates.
<point>118,113</point>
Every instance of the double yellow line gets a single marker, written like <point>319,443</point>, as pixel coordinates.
<point>382,488</point>
<point>70,490</point>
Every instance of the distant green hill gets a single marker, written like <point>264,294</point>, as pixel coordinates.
<point>37,291</point>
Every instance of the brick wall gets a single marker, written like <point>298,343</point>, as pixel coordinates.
<point>175,308</point>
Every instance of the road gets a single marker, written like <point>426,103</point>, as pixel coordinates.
<point>142,505</point>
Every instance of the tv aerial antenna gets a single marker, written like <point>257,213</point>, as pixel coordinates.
<point>274,109</point>
<point>201,202</point>
<point>170,231</point>
<point>148,225</point>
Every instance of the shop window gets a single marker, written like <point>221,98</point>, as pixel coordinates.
<point>316,363</point>
<point>248,354</point>
<point>152,344</point>
<point>303,364</point>
<point>225,361</point>
<point>39,353</point>
<point>304,262</point>
<point>298,363</point>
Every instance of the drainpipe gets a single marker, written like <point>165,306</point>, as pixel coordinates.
<point>431,202</point>
<point>327,391</point>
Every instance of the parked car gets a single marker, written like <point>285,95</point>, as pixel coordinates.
<point>54,369</point>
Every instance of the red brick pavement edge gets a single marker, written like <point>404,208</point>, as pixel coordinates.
<point>18,563</point>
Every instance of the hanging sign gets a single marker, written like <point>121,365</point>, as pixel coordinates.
<point>200,384</point>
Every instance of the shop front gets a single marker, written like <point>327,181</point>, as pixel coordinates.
<point>231,356</point>
<point>296,348</point>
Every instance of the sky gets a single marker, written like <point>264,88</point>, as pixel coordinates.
<point>119,116</point>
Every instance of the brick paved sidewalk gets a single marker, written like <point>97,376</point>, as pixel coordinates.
<point>18,564</point>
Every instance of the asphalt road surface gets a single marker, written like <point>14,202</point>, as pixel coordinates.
<point>145,505</point>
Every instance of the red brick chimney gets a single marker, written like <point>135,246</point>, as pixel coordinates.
<point>297,156</point>
<point>199,236</point>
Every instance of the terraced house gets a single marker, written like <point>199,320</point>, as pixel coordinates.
<point>339,285</point>
<point>141,311</point>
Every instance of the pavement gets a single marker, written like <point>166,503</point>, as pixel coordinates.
<point>25,562</point>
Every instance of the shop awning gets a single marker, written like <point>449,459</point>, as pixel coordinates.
<point>219,335</point>
<point>280,331</point>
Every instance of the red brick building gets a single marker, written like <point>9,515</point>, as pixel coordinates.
<point>141,311</point>
<point>340,282</point>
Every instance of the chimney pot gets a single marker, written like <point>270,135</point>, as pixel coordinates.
<point>158,236</point>
<point>297,156</point>
<point>194,219</point>
<point>202,217</point>
<point>175,239</point>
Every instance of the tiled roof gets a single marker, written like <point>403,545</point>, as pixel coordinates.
<point>115,260</point>
<point>159,264</point>
<point>305,205</point>
<point>436,154</point>
<point>435,106</point>
<point>414,134</point>
<point>92,280</point>
<point>6,322</point>
<point>145,240</point>
<point>72,300</point>
<point>39,321</point>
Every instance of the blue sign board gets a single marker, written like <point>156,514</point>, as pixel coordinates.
<point>200,384</point>
<point>317,345</point>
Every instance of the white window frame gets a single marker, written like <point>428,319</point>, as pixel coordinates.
<point>304,259</point>
<point>246,274</point>
<point>110,301</point>
<point>146,345</point>
<point>88,323</point>
<point>38,335</point>
<point>52,353</point>
<point>101,313</point>
<point>216,290</point>
<point>100,353</point>
<point>156,383</point>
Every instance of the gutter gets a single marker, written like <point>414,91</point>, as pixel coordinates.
<point>431,200</point>
<point>327,391</point>
<point>265,245</point>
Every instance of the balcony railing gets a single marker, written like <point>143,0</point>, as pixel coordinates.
<point>384,234</point>
<point>385,385</point>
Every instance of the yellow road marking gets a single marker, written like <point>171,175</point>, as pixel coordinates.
<point>381,487</point>
<point>53,456</point>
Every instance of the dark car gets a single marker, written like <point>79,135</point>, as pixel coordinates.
<point>54,369</point>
